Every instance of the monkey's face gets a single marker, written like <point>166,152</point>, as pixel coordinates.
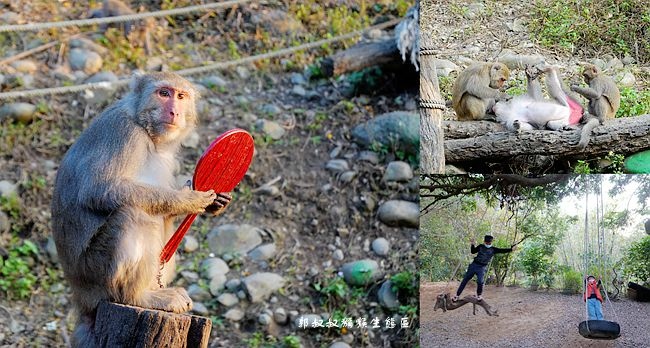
<point>175,107</point>
<point>590,72</point>
<point>499,74</point>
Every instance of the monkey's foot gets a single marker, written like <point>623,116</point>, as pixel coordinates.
<point>533,71</point>
<point>516,125</point>
<point>174,300</point>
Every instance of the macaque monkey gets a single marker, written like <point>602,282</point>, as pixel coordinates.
<point>604,100</point>
<point>533,111</point>
<point>114,201</point>
<point>476,90</point>
<point>141,34</point>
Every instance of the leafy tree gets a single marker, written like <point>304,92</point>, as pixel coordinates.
<point>637,261</point>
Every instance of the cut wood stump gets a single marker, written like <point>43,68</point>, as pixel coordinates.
<point>444,302</point>
<point>118,325</point>
<point>361,56</point>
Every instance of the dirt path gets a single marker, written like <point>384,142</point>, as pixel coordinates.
<point>526,319</point>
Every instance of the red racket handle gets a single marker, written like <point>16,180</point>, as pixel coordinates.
<point>175,240</point>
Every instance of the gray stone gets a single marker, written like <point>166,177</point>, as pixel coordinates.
<point>217,284</point>
<point>84,60</point>
<point>24,66</point>
<point>21,112</point>
<point>369,156</point>
<point>190,244</point>
<point>232,239</point>
<point>228,299</point>
<point>102,76</point>
<point>399,213</point>
<point>360,273</point>
<point>271,109</point>
<point>271,128</point>
<point>263,252</point>
<point>307,319</point>
<point>5,225</point>
<point>398,171</point>
<point>214,81</point>
<point>197,293</point>
<point>243,72</point>
<point>10,17</point>
<point>269,190</point>
<point>264,319</point>
<point>82,42</point>
<point>233,284</point>
<point>338,255</point>
<point>614,64</point>
<point>260,286</point>
<point>298,79</point>
<point>280,316</point>
<point>213,266</point>
<point>387,298</point>
<point>7,188</point>
<point>627,60</point>
<point>234,314</point>
<point>519,61</point>
<point>241,294</point>
<point>50,247</point>
<point>444,67</point>
<point>625,79</point>
<point>337,165</point>
<point>299,90</point>
<point>199,308</point>
<point>380,246</point>
<point>347,176</point>
<point>339,344</point>
<point>190,277</point>
<point>395,130</point>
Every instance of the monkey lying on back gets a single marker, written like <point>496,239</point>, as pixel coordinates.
<point>476,90</point>
<point>114,201</point>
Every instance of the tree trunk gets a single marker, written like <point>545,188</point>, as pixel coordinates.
<point>361,56</point>
<point>623,136</point>
<point>432,154</point>
<point>118,325</point>
<point>444,302</point>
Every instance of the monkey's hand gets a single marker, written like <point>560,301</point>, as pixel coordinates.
<point>219,205</point>
<point>195,202</point>
<point>575,87</point>
<point>504,97</point>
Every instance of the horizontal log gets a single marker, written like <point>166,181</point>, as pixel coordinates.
<point>361,56</point>
<point>624,136</point>
<point>470,129</point>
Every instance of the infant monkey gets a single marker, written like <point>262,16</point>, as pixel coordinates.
<point>114,201</point>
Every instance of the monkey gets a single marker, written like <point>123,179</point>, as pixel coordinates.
<point>141,34</point>
<point>533,111</point>
<point>477,89</point>
<point>604,100</point>
<point>114,202</point>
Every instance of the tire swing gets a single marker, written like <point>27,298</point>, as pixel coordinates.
<point>597,329</point>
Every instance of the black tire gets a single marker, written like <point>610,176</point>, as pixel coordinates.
<point>599,329</point>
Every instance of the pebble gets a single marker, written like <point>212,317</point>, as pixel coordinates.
<point>271,109</point>
<point>339,344</point>
<point>199,308</point>
<point>197,293</point>
<point>7,188</point>
<point>264,319</point>
<point>243,72</point>
<point>348,176</point>
<point>25,66</point>
<point>50,247</point>
<point>395,130</point>
<point>213,266</point>
<point>232,239</point>
<point>380,246</point>
<point>298,79</point>
<point>362,272</point>
<point>625,79</point>
<point>398,171</point>
<point>5,226</point>
<point>214,81</point>
<point>271,128</point>
<point>280,316</point>
<point>263,252</point>
<point>234,314</point>
<point>299,91</point>
<point>228,299</point>
<point>84,60</point>
<point>338,255</point>
<point>191,277</point>
<point>21,112</point>
<point>217,284</point>
<point>387,298</point>
<point>337,165</point>
<point>190,243</point>
<point>260,286</point>
<point>399,213</point>
<point>233,284</point>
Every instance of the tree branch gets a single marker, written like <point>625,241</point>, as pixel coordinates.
<point>444,302</point>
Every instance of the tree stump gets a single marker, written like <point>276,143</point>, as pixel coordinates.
<point>444,302</point>
<point>118,325</point>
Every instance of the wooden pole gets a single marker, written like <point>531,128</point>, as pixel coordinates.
<point>118,325</point>
<point>432,151</point>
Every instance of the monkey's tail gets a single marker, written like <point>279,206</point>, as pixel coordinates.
<point>585,134</point>
<point>83,335</point>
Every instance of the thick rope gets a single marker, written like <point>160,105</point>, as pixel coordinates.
<point>196,70</point>
<point>118,19</point>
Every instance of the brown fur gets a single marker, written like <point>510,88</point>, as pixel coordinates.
<point>477,89</point>
<point>114,201</point>
<point>603,94</point>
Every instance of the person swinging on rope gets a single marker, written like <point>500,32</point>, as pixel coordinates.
<point>594,299</point>
<point>478,267</point>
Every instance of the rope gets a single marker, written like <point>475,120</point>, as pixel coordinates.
<point>196,70</point>
<point>432,104</point>
<point>118,19</point>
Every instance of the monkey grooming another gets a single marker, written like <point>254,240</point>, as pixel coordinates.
<point>114,201</point>
<point>604,100</point>
<point>476,90</point>
<point>533,111</point>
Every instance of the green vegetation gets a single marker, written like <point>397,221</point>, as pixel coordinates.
<point>636,263</point>
<point>606,26</point>
<point>17,278</point>
<point>571,280</point>
<point>633,102</point>
<point>258,340</point>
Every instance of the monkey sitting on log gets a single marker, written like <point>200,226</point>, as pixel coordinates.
<point>476,90</point>
<point>114,201</point>
<point>533,111</point>
<point>604,100</point>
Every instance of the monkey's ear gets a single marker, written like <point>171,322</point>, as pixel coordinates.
<point>136,79</point>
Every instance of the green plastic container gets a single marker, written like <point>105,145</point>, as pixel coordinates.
<point>639,163</point>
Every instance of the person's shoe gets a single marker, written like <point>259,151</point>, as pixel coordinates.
<point>479,297</point>
<point>455,298</point>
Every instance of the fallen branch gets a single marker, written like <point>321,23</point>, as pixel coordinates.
<point>623,136</point>
<point>361,56</point>
<point>444,302</point>
<point>465,129</point>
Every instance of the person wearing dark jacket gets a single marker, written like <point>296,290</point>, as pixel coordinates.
<point>484,253</point>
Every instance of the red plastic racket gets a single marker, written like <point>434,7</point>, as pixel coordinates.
<point>221,167</point>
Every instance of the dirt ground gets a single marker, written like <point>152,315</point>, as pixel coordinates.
<point>526,319</point>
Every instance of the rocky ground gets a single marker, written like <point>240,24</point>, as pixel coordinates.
<point>331,196</point>
<point>526,319</point>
